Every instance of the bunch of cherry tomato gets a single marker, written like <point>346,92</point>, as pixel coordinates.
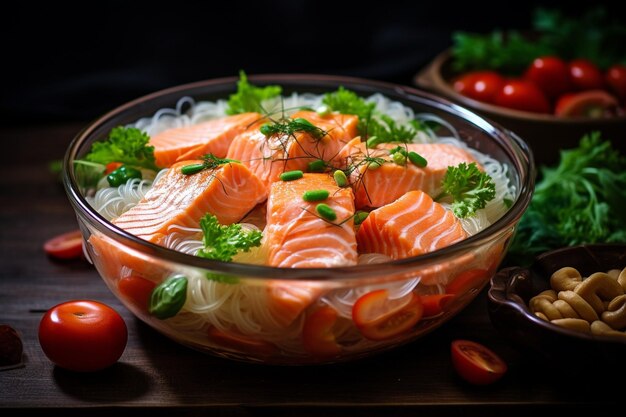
<point>551,85</point>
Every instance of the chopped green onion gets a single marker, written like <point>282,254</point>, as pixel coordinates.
<point>398,149</point>
<point>340,178</point>
<point>302,121</point>
<point>374,165</point>
<point>360,216</point>
<point>323,110</point>
<point>398,158</point>
<point>315,195</point>
<point>291,175</point>
<point>266,129</point>
<point>192,169</point>
<point>326,211</point>
<point>417,159</point>
<point>317,166</point>
<point>372,142</point>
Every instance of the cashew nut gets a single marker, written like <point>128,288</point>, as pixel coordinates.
<point>565,279</point>
<point>573,324</point>
<point>616,315</point>
<point>549,294</point>
<point>621,279</point>
<point>582,307</point>
<point>542,316</point>
<point>602,329</point>
<point>613,273</point>
<point>543,305</point>
<point>565,309</point>
<point>597,287</point>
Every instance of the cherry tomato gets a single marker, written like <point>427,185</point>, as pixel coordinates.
<point>584,75</point>
<point>240,342</point>
<point>479,85</point>
<point>435,303</point>
<point>522,95</point>
<point>475,363</point>
<point>112,166</point>
<point>466,280</point>
<point>378,318</point>
<point>591,103</point>
<point>66,246</point>
<point>616,79</point>
<point>137,290</point>
<point>317,334</point>
<point>82,335</point>
<point>550,74</point>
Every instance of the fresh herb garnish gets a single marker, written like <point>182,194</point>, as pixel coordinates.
<point>469,188</point>
<point>579,201</point>
<point>210,161</point>
<point>168,297</point>
<point>290,127</point>
<point>249,98</point>
<point>126,145</point>
<point>223,242</point>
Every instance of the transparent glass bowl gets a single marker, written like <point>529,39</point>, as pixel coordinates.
<point>238,319</point>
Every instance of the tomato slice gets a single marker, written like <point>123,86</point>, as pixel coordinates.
<point>137,290</point>
<point>317,334</point>
<point>435,303</point>
<point>474,278</point>
<point>378,318</point>
<point>240,342</point>
<point>66,246</point>
<point>592,103</point>
<point>475,363</point>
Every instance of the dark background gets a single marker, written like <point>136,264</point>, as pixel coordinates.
<point>71,65</point>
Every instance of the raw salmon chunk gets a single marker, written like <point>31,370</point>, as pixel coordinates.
<point>412,225</point>
<point>268,157</point>
<point>191,142</point>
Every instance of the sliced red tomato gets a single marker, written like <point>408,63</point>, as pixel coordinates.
<point>435,303</point>
<point>584,75</point>
<point>475,363</point>
<point>378,317</point>
<point>616,79</point>
<point>550,74</point>
<point>474,278</point>
<point>137,290</point>
<point>591,103</point>
<point>317,334</point>
<point>479,85</point>
<point>522,95</point>
<point>65,246</point>
<point>112,166</point>
<point>240,342</point>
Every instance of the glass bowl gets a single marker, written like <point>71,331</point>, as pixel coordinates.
<point>236,318</point>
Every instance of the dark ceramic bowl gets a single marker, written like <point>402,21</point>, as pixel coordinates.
<point>545,133</point>
<point>512,288</point>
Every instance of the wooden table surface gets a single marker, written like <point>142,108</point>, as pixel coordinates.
<point>164,378</point>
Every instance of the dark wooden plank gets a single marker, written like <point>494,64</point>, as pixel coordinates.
<point>157,374</point>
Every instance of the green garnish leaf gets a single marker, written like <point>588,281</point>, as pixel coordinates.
<point>249,98</point>
<point>168,297</point>
<point>126,145</point>
<point>290,127</point>
<point>469,188</point>
<point>222,242</point>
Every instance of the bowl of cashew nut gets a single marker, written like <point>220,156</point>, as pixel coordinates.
<point>569,306</point>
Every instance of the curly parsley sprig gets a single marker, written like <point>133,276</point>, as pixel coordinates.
<point>469,188</point>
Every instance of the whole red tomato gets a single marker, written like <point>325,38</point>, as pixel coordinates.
<point>590,103</point>
<point>82,335</point>
<point>584,75</point>
<point>522,95</point>
<point>616,79</point>
<point>550,74</point>
<point>479,85</point>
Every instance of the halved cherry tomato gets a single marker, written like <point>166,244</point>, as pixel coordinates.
<point>479,85</point>
<point>475,363</point>
<point>66,246</point>
<point>378,318</point>
<point>112,166</point>
<point>137,290</point>
<point>591,103</point>
<point>474,278</point>
<point>83,335</point>
<point>550,74</point>
<point>240,342</point>
<point>616,79</point>
<point>317,333</point>
<point>584,75</point>
<point>522,95</point>
<point>435,303</point>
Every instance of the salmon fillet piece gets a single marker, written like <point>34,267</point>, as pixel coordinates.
<point>384,185</point>
<point>191,142</point>
<point>412,225</point>
<point>268,157</point>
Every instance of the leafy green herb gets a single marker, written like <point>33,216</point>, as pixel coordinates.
<point>126,145</point>
<point>168,297</point>
<point>290,127</point>
<point>469,188</point>
<point>249,98</point>
<point>579,201</point>
<point>209,161</point>
<point>222,242</point>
